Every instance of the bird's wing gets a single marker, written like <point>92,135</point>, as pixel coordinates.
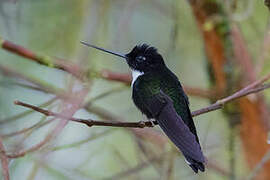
<point>161,107</point>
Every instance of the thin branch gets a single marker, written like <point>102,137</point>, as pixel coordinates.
<point>68,111</point>
<point>220,103</point>
<point>44,87</point>
<point>78,72</point>
<point>4,161</point>
<point>243,91</point>
<point>33,148</point>
<point>23,85</point>
<point>45,60</point>
<point>126,79</point>
<point>199,92</point>
<point>89,122</point>
<point>23,114</point>
<point>24,130</point>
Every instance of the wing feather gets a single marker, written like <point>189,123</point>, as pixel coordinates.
<point>161,106</point>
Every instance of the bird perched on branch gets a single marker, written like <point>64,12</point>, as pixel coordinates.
<point>158,94</point>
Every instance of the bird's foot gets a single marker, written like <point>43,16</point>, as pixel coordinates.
<point>145,120</point>
<point>152,122</point>
<point>147,123</point>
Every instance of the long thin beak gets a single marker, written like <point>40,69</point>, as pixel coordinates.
<point>105,50</point>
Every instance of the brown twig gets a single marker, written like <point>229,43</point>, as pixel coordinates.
<point>24,130</point>
<point>4,161</point>
<point>199,92</point>
<point>78,72</point>
<point>32,149</point>
<point>126,79</point>
<point>251,88</point>
<point>68,111</point>
<point>24,85</point>
<point>43,87</point>
<point>42,59</point>
<point>88,122</point>
<point>219,104</point>
<point>243,92</point>
<point>23,114</point>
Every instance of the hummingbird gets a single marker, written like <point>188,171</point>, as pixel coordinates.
<point>158,94</point>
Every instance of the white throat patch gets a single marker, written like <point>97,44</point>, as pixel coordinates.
<point>135,75</point>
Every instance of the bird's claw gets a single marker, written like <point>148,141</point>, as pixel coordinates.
<point>152,122</point>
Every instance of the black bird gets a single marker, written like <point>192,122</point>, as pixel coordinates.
<point>158,94</point>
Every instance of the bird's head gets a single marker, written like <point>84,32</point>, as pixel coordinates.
<point>143,58</point>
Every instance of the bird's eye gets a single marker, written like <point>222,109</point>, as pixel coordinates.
<point>140,58</point>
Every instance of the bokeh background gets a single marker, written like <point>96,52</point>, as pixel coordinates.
<point>214,47</point>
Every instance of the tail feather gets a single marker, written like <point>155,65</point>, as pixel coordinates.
<point>195,165</point>
<point>161,106</point>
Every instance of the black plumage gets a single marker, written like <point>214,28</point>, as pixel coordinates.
<point>158,94</point>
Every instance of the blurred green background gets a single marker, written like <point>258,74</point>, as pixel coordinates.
<point>55,28</point>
